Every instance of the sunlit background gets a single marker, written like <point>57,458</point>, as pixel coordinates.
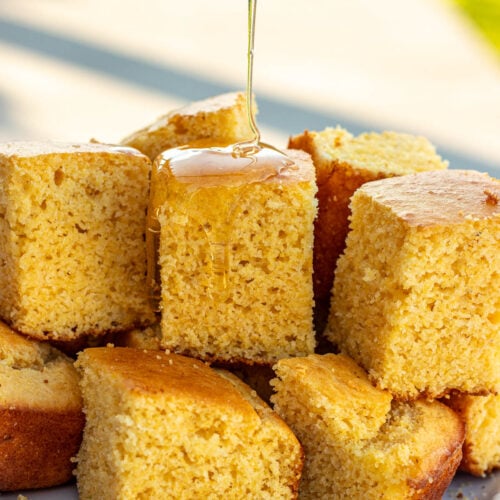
<point>81,69</point>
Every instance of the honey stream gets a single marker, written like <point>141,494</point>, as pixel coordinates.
<point>219,178</point>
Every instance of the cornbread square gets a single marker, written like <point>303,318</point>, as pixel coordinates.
<point>481,415</point>
<point>217,121</point>
<point>235,261</point>
<point>41,419</point>
<point>343,163</point>
<point>166,426</point>
<point>416,299</point>
<point>358,441</point>
<point>72,230</point>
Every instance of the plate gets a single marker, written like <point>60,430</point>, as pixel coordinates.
<point>463,486</point>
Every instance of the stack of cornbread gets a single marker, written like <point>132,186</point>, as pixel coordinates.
<point>405,265</point>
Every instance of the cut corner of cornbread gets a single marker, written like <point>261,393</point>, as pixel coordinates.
<point>148,407</point>
<point>217,121</point>
<point>415,299</point>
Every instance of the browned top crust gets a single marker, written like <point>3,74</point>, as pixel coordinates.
<point>438,467</point>
<point>29,149</point>
<point>438,197</point>
<point>158,373</point>
<point>209,105</point>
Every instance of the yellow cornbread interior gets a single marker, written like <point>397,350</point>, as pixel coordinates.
<point>35,376</point>
<point>249,296</point>
<point>409,289</point>
<point>387,153</point>
<point>166,426</point>
<point>481,415</point>
<point>358,443</point>
<point>67,213</point>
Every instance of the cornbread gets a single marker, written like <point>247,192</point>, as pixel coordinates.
<point>41,419</point>
<point>166,426</point>
<point>343,163</point>
<point>235,255</point>
<point>67,212</point>
<point>218,121</point>
<point>416,299</point>
<point>358,441</point>
<point>481,415</point>
<point>140,338</point>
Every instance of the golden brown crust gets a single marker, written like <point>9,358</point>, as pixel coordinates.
<point>41,418</point>
<point>344,163</point>
<point>29,149</point>
<point>433,486</point>
<point>216,121</point>
<point>332,223</point>
<point>157,372</point>
<point>438,197</point>
<point>36,447</point>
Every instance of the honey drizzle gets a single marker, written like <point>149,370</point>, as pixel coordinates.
<point>199,169</point>
<point>248,147</point>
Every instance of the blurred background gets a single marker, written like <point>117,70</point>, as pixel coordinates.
<point>81,69</point>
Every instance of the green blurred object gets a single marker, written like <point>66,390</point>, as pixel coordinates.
<point>486,15</point>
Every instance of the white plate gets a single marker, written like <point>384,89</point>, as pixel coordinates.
<point>463,486</point>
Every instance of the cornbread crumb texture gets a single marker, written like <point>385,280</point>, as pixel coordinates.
<point>67,211</point>
<point>358,441</point>
<point>218,121</point>
<point>41,419</point>
<point>416,299</point>
<point>481,415</point>
<point>162,425</point>
<point>240,258</point>
<point>343,163</point>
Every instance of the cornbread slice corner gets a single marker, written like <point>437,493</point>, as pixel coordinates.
<point>41,419</point>
<point>217,121</point>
